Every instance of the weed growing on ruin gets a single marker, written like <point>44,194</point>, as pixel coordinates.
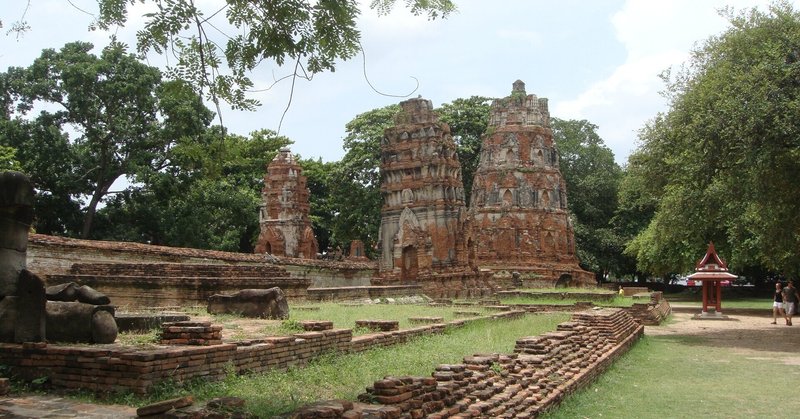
<point>139,339</point>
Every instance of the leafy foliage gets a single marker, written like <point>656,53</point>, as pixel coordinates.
<point>309,35</point>
<point>468,119</point>
<point>355,190</point>
<point>208,199</point>
<point>592,179</point>
<point>125,118</point>
<point>722,164</point>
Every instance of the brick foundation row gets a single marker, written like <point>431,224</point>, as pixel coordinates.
<point>537,376</point>
<point>108,368</point>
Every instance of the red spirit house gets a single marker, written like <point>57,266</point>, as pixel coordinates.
<point>712,270</point>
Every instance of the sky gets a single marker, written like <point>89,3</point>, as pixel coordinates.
<point>597,60</point>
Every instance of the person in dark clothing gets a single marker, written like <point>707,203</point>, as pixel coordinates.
<point>777,303</point>
<point>790,298</point>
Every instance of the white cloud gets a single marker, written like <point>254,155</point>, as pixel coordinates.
<point>656,36</point>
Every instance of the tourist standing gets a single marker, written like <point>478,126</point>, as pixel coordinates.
<point>790,298</point>
<point>777,303</point>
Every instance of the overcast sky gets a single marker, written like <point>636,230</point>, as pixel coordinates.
<point>597,60</point>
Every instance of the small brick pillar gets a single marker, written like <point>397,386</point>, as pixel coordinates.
<point>190,333</point>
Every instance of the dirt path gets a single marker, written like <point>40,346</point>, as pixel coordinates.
<point>750,335</point>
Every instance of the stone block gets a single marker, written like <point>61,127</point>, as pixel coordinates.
<point>259,303</point>
<point>30,323</point>
<point>79,322</point>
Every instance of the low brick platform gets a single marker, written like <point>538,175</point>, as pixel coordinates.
<point>537,376</point>
<point>379,325</point>
<point>316,325</point>
<point>425,320</point>
<point>190,333</point>
<point>108,368</point>
<point>362,292</point>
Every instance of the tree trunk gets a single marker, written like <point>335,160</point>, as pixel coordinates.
<point>88,218</point>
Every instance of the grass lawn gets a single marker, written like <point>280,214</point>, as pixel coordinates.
<point>346,376</point>
<point>617,301</point>
<point>679,377</point>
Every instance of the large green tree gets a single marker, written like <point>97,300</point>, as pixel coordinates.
<point>723,162</point>
<point>218,44</point>
<point>592,179</point>
<point>355,190</point>
<point>208,197</point>
<point>123,119</point>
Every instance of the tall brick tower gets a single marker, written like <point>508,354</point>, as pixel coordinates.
<point>423,196</point>
<point>285,224</point>
<point>519,199</point>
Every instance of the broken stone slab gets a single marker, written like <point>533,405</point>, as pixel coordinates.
<point>29,325</point>
<point>164,406</point>
<point>16,214</point>
<point>79,322</point>
<point>258,303</point>
<point>72,291</point>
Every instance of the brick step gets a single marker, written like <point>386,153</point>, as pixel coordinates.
<point>202,282</point>
<point>176,269</point>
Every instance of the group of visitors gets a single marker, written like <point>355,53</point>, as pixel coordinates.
<point>784,302</point>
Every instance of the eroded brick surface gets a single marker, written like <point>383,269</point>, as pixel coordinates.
<point>285,224</point>
<point>518,209</point>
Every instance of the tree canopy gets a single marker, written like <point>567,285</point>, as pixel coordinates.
<point>310,36</point>
<point>123,120</point>
<point>722,164</point>
<point>592,179</point>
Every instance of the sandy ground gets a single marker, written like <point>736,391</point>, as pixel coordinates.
<point>750,335</point>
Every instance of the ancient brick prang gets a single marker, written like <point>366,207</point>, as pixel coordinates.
<point>518,209</point>
<point>423,196</point>
<point>285,224</point>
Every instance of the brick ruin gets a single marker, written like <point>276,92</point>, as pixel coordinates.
<point>423,216</point>
<point>285,224</point>
<point>519,198</point>
<point>536,377</point>
<point>423,197</point>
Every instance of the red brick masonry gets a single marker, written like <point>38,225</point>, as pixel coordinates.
<point>537,376</point>
<point>106,368</point>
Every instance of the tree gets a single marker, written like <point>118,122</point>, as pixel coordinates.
<point>356,197</point>
<point>309,35</point>
<point>319,177</point>
<point>125,117</point>
<point>468,120</point>
<point>8,159</point>
<point>592,179</point>
<point>208,198</point>
<point>723,161</point>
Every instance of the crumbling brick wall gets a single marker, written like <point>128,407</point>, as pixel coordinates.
<point>537,376</point>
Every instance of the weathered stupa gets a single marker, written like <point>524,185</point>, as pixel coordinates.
<point>519,199</point>
<point>423,196</point>
<point>283,216</point>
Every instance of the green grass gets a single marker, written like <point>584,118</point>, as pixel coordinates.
<point>680,377</point>
<point>346,376</point>
<point>617,301</point>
